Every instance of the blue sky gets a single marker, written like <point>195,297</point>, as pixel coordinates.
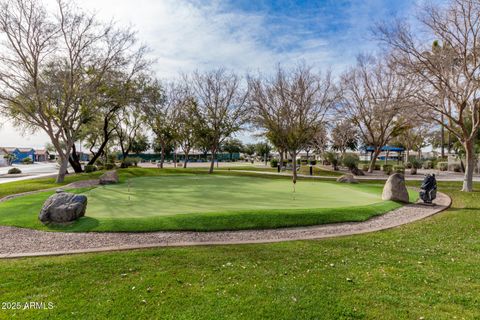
<point>244,35</point>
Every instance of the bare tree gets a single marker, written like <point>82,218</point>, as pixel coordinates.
<point>51,65</point>
<point>221,108</point>
<point>375,97</point>
<point>160,114</point>
<point>185,122</point>
<point>344,136</point>
<point>291,107</point>
<point>416,136</point>
<point>128,127</point>
<point>448,72</point>
<point>186,132</point>
<point>320,141</point>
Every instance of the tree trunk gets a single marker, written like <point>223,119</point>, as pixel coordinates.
<point>98,153</point>
<point>294,167</point>
<point>175,158</point>
<point>281,160</point>
<point>185,161</point>
<point>212,163</point>
<point>162,156</point>
<point>469,167</point>
<point>74,160</point>
<point>374,159</point>
<point>63,169</point>
<point>407,156</point>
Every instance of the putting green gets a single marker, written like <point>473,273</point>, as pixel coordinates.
<point>187,194</point>
<point>203,202</point>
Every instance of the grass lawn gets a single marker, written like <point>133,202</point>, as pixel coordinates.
<point>208,202</point>
<point>425,270</point>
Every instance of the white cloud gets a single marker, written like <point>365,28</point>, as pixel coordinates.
<point>16,137</point>
<point>186,35</point>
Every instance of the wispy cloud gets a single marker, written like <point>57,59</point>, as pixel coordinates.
<point>243,35</point>
<point>188,35</point>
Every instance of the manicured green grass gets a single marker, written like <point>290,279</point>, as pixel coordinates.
<point>207,203</point>
<point>427,269</point>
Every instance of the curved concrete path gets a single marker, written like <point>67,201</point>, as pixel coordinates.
<point>19,242</point>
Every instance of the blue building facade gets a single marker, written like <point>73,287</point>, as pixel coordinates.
<point>21,153</point>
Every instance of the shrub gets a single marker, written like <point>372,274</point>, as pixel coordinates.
<point>377,167</point>
<point>416,164</point>
<point>331,157</point>
<point>110,166</point>
<point>304,162</point>
<point>350,161</point>
<point>298,161</point>
<point>428,164</point>
<point>408,165</point>
<point>399,169</point>
<point>313,162</point>
<point>27,161</point>
<point>137,160</point>
<point>442,166</point>
<point>111,158</point>
<point>456,167</point>
<point>90,168</point>
<point>387,169</point>
<point>365,167</point>
<point>14,171</point>
<point>274,163</point>
<point>130,161</point>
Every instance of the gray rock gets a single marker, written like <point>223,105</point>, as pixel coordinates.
<point>347,178</point>
<point>109,177</point>
<point>395,189</point>
<point>63,207</point>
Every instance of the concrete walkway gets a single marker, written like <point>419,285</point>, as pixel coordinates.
<point>19,242</point>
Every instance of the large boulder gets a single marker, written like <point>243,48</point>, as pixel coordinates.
<point>63,207</point>
<point>109,177</point>
<point>395,189</point>
<point>347,178</point>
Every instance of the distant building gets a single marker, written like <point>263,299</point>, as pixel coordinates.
<point>20,153</point>
<point>83,157</point>
<point>387,152</point>
<point>42,155</point>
